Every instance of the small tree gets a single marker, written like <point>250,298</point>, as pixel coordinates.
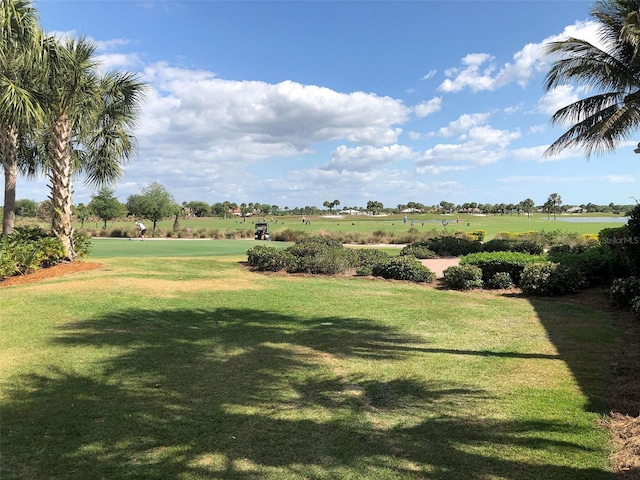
<point>154,203</point>
<point>527,206</point>
<point>26,208</point>
<point>105,206</point>
<point>81,212</point>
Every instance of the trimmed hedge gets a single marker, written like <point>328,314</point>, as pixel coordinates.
<point>491,263</point>
<point>513,245</point>
<point>451,246</point>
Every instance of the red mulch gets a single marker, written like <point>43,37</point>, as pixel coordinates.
<point>44,273</point>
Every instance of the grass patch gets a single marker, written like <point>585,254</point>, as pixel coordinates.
<point>193,368</point>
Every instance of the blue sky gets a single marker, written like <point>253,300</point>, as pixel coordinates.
<point>299,102</point>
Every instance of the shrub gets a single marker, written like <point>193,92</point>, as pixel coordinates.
<point>635,305</point>
<point>313,246</point>
<point>463,277</point>
<point>50,251</point>
<point>624,290</point>
<point>329,261</point>
<point>367,258</point>
<point>268,259</point>
<point>288,235</point>
<point>513,245</point>
<point>446,246</point>
<point>404,268</point>
<point>550,278</point>
<point>597,263</point>
<point>478,235</point>
<point>501,280</point>
<point>491,263</point>
<point>82,244</point>
<point>418,250</point>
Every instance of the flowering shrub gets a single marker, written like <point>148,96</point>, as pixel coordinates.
<point>501,280</point>
<point>624,291</point>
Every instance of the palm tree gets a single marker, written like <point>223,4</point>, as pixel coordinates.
<point>552,203</point>
<point>609,116</point>
<point>21,63</point>
<point>89,118</point>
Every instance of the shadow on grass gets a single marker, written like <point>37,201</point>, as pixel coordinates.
<point>248,394</point>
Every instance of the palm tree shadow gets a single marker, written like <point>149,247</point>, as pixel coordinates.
<point>192,392</point>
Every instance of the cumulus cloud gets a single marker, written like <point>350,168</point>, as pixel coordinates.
<point>480,71</point>
<point>557,98</point>
<point>427,108</point>
<point>210,111</point>
<point>366,158</point>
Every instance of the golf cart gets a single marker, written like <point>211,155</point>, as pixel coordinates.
<point>262,232</point>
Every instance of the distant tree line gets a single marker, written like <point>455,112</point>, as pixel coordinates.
<point>155,203</point>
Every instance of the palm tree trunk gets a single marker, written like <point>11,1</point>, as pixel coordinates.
<point>61,158</point>
<point>8,155</point>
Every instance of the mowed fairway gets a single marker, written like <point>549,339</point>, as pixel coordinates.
<point>179,363</point>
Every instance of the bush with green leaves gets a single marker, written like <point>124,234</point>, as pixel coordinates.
<point>313,245</point>
<point>418,250</point>
<point>513,245</point>
<point>268,259</point>
<point>623,290</point>
<point>404,268</point>
<point>597,263</point>
<point>548,278</point>
<point>27,249</point>
<point>367,258</point>
<point>500,281</point>
<point>635,305</point>
<point>327,261</point>
<point>452,246</point>
<point>463,277</point>
<point>491,263</point>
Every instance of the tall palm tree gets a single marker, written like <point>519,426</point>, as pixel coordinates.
<point>22,61</point>
<point>89,121</point>
<point>602,120</point>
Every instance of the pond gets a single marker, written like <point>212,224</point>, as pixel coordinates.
<point>593,219</point>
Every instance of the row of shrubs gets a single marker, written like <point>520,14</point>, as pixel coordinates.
<point>562,271</point>
<point>27,249</point>
<point>318,255</point>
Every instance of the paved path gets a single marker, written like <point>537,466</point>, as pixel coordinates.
<point>438,265</point>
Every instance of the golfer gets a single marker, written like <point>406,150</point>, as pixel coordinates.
<point>141,230</point>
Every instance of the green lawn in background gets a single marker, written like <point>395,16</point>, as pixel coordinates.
<point>124,247</point>
<point>493,224</point>
<point>186,365</point>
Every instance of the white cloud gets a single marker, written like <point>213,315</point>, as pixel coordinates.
<point>437,170</point>
<point>427,108</point>
<point>479,71</point>
<point>429,74</point>
<point>210,111</point>
<point>557,98</point>
<point>366,158</point>
<point>463,124</point>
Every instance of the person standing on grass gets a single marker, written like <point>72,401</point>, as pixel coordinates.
<point>141,230</point>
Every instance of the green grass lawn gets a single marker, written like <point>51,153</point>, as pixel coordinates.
<point>493,224</point>
<point>181,364</point>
